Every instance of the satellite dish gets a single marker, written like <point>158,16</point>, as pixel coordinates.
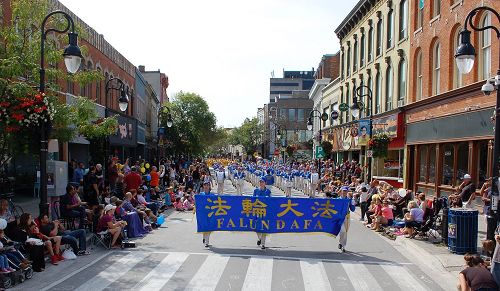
<point>402,192</point>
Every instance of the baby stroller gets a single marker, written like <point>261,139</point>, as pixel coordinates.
<point>19,275</point>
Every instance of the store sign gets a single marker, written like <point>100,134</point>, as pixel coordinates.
<point>386,125</point>
<point>334,115</point>
<point>364,132</point>
<point>126,134</point>
<point>346,138</point>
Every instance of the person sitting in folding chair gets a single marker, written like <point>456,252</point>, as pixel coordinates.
<point>108,222</point>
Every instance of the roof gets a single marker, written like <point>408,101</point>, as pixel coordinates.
<point>354,17</point>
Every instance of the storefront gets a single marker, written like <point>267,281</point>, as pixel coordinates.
<point>442,150</point>
<point>345,142</point>
<point>391,168</point>
<point>124,142</point>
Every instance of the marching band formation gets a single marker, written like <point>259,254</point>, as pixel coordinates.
<point>265,174</point>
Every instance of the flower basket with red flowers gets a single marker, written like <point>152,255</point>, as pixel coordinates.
<point>379,144</point>
<point>18,113</point>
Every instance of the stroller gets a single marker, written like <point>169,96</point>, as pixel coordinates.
<point>18,276</point>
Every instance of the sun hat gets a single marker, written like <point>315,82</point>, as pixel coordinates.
<point>109,207</point>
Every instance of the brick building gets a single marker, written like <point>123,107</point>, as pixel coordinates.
<point>448,127</point>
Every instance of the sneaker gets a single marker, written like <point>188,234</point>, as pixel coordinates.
<point>340,246</point>
<point>342,249</point>
<point>203,240</point>
<point>262,247</point>
<point>83,253</point>
<point>4,271</point>
<point>206,245</point>
<point>11,269</point>
<point>258,242</point>
<point>60,257</point>
<point>54,260</point>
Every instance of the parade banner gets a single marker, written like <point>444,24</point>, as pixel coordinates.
<point>269,214</point>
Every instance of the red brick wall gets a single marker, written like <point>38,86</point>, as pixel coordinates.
<point>329,67</point>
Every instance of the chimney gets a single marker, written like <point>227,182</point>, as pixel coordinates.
<point>142,69</point>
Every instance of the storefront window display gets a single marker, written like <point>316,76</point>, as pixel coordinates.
<point>462,161</point>
<point>389,167</point>
<point>482,162</point>
<point>448,164</point>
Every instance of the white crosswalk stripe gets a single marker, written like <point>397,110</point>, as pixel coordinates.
<point>209,270</point>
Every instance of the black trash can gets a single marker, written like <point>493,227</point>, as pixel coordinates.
<point>462,230</point>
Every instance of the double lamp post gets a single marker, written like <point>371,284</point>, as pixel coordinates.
<point>322,117</point>
<point>162,111</point>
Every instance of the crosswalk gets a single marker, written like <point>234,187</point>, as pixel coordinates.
<point>139,270</point>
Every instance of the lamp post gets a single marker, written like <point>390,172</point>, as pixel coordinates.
<point>356,109</point>
<point>170,122</point>
<point>72,59</point>
<point>322,117</point>
<point>122,104</point>
<point>464,57</point>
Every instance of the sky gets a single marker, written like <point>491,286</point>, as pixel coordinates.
<point>224,50</point>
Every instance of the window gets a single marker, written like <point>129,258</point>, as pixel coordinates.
<point>390,29</point>
<point>370,86</point>
<point>347,97</point>
<point>361,92</point>
<point>389,84</point>
<point>485,65</point>
<point>379,37</point>
<point>348,60</point>
<point>362,50</point>
<point>422,164</point>
<point>355,56</point>
<point>419,76</point>
<point>432,164</point>
<point>300,114</point>
<point>82,87</point>
<point>403,19</point>
<point>462,161</point>
<point>291,114</point>
<point>90,67</point>
<point>282,113</point>
<point>98,88</point>
<point>482,162</point>
<point>106,78</point>
<point>370,44</point>
<point>436,72</point>
<point>402,80</point>
<point>436,8</point>
<point>448,164</point>
<point>378,92</point>
<point>457,76</point>
<point>342,64</point>
<point>420,16</point>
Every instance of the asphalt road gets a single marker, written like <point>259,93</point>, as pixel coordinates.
<point>174,258</point>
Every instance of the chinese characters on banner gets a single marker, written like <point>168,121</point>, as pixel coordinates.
<point>269,215</point>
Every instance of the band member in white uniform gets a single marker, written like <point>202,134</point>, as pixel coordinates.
<point>314,183</point>
<point>240,181</point>
<point>206,191</point>
<point>345,225</point>
<point>220,176</point>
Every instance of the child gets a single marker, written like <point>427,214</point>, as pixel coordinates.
<point>52,244</point>
<point>178,204</point>
<point>7,248</point>
<point>4,265</point>
<point>187,204</point>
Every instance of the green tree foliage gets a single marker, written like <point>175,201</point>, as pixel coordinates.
<point>327,148</point>
<point>194,127</point>
<point>248,135</point>
<point>19,78</point>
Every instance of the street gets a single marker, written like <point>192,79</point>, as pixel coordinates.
<point>174,258</point>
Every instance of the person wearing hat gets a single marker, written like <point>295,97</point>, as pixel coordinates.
<point>345,226</point>
<point>108,222</point>
<point>314,183</point>
<point>262,191</point>
<point>206,191</point>
<point>269,179</point>
<point>465,194</point>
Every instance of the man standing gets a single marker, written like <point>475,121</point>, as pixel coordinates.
<point>133,180</point>
<point>314,183</point>
<point>78,173</point>
<point>155,177</point>
<point>90,187</point>
<point>112,173</point>
<point>220,174</point>
<point>240,180</point>
<point>269,179</point>
<point>206,191</point>
<point>345,226</point>
<point>262,191</point>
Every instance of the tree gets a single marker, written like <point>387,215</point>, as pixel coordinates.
<point>327,148</point>
<point>23,108</point>
<point>248,135</point>
<point>195,128</point>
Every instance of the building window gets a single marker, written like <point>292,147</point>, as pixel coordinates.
<point>422,164</point>
<point>82,87</point>
<point>90,67</point>
<point>282,113</point>
<point>347,97</point>
<point>389,86</point>
<point>378,92</point>
<point>420,16</point>
<point>436,8</point>
<point>403,19</point>
<point>291,114</point>
<point>436,70</point>
<point>462,161</point>
<point>390,29</point>
<point>402,80</point>
<point>482,162</point>
<point>370,44</point>
<point>457,76</point>
<point>300,114</point>
<point>485,65</point>
<point>355,56</point>
<point>419,76</point>
<point>348,60</point>
<point>362,50</point>
<point>432,164</point>
<point>342,64</point>
<point>448,164</point>
<point>98,88</point>
<point>379,37</point>
<point>369,84</point>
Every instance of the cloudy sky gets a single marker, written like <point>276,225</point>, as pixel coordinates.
<point>224,50</point>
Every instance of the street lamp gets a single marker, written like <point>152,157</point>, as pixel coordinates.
<point>322,117</point>
<point>72,59</point>
<point>464,57</point>
<point>170,122</point>
<point>356,109</point>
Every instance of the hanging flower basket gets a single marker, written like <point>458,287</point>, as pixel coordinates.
<point>18,113</point>
<point>379,145</point>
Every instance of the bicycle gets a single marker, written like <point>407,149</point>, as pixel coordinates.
<point>7,192</point>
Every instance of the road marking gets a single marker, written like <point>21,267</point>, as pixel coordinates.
<point>209,274</point>
<point>160,275</point>
<point>113,272</point>
<point>360,277</point>
<point>259,274</point>
<point>314,276</point>
<point>97,260</point>
<point>403,278</point>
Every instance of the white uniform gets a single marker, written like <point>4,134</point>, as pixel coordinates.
<point>220,175</point>
<point>314,184</point>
